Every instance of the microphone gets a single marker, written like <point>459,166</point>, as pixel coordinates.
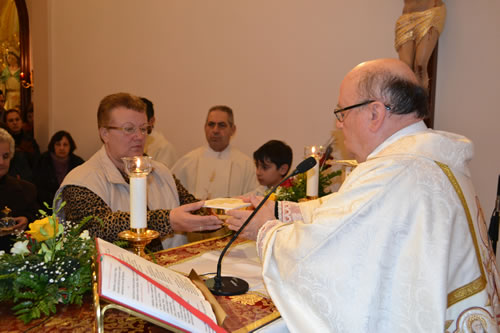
<point>228,285</point>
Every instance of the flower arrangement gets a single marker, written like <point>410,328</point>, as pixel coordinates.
<point>294,189</point>
<point>49,264</point>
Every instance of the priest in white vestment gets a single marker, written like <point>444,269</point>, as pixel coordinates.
<point>402,246</point>
<point>218,169</point>
<point>160,149</point>
<point>157,146</point>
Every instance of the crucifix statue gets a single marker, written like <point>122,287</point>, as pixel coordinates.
<point>417,33</point>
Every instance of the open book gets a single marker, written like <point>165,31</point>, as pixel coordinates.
<point>153,290</point>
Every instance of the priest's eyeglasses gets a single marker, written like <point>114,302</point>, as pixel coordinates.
<point>341,113</point>
<point>130,129</point>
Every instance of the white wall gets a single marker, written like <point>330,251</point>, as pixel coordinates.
<point>277,63</point>
<point>468,89</point>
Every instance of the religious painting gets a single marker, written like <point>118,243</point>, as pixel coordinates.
<point>10,61</point>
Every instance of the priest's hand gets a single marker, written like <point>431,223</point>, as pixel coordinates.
<point>238,217</point>
<point>182,219</point>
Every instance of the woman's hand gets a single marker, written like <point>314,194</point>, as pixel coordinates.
<point>20,225</point>
<point>182,219</point>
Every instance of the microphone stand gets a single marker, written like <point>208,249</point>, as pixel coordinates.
<point>228,285</point>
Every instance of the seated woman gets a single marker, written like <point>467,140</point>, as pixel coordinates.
<point>100,186</point>
<point>17,195</point>
<point>54,164</point>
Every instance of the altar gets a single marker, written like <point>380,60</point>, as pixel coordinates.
<point>251,312</point>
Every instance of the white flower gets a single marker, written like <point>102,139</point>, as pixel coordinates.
<point>20,247</point>
<point>85,234</point>
<point>2,253</point>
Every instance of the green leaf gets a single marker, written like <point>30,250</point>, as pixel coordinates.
<point>52,222</point>
<point>44,308</point>
<point>43,232</point>
<point>24,310</point>
<point>44,247</point>
<point>22,305</point>
<point>26,295</point>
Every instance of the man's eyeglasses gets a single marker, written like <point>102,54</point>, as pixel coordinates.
<point>131,129</point>
<point>340,113</point>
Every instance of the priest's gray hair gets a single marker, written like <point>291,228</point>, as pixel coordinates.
<point>401,94</point>
<point>6,137</point>
<point>226,109</point>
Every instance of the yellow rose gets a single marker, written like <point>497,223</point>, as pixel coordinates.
<point>39,225</point>
<point>272,197</point>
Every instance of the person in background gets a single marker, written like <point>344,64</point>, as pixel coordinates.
<point>156,145</point>
<point>100,186</point>
<point>54,164</point>
<point>25,143</point>
<point>273,161</point>
<point>28,121</point>
<point>17,195</point>
<point>217,170</point>
<point>398,248</point>
<point>2,109</point>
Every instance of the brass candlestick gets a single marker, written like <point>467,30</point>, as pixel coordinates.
<point>139,238</point>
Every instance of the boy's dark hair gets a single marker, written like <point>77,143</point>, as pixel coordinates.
<point>275,151</point>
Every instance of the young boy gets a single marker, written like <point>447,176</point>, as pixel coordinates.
<point>273,161</point>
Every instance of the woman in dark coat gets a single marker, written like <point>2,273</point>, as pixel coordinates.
<point>16,195</point>
<point>53,165</point>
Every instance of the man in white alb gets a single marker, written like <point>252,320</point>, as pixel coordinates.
<point>403,245</point>
<point>156,145</point>
<point>217,170</point>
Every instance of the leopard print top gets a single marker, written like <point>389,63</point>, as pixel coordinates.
<point>82,202</point>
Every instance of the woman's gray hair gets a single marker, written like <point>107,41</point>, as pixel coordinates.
<point>6,137</point>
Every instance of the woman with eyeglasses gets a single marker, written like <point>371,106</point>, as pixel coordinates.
<point>100,186</point>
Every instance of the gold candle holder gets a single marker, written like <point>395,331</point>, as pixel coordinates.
<point>139,238</point>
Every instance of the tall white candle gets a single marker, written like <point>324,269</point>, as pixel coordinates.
<point>138,202</point>
<point>313,181</point>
